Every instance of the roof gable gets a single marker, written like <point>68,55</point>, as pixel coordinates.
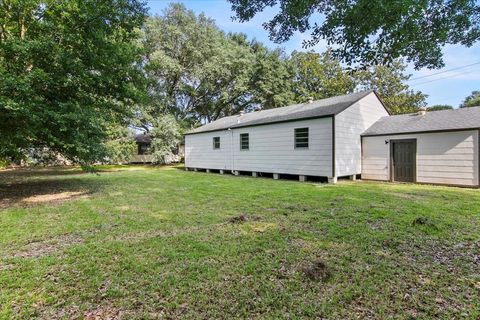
<point>320,108</point>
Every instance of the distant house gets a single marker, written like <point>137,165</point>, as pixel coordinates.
<point>143,141</point>
<point>143,155</point>
<point>342,136</point>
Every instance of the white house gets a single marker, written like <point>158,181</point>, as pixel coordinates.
<point>320,138</point>
<point>343,136</point>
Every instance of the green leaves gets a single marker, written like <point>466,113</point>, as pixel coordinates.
<point>472,100</point>
<point>69,72</point>
<point>371,32</point>
<point>319,76</point>
<point>198,73</point>
<point>389,82</point>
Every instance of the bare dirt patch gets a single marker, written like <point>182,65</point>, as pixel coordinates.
<point>46,247</point>
<point>243,218</point>
<point>55,197</point>
<point>316,271</point>
<point>446,254</point>
<point>104,313</point>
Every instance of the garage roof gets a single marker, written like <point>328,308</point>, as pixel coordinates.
<point>325,107</point>
<point>445,120</point>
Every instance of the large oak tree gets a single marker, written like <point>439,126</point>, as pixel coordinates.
<point>68,72</point>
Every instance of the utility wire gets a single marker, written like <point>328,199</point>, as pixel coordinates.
<point>447,77</point>
<point>444,71</point>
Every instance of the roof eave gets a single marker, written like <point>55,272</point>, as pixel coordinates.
<point>417,132</point>
<point>263,124</point>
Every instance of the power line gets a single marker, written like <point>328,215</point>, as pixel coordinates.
<point>445,71</point>
<point>447,77</point>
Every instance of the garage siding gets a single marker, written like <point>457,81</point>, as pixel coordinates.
<point>443,158</point>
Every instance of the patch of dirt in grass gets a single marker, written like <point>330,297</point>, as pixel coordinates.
<point>55,197</point>
<point>316,270</point>
<point>103,313</point>
<point>243,218</point>
<point>296,208</point>
<point>423,221</point>
<point>377,225</point>
<point>446,254</point>
<point>46,247</point>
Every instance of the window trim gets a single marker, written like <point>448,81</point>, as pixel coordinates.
<point>248,141</point>
<point>219,143</point>
<point>295,138</point>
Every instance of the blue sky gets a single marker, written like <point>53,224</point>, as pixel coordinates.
<point>447,87</point>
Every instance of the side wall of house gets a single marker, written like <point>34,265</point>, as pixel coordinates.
<point>199,151</point>
<point>272,148</point>
<point>444,157</point>
<point>349,125</point>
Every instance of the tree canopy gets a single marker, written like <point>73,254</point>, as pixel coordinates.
<point>198,73</point>
<point>439,107</point>
<point>68,71</point>
<point>473,100</point>
<point>319,76</point>
<point>371,32</point>
<point>390,83</point>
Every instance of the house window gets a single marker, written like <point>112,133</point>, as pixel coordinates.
<point>301,138</point>
<point>244,141</point>
<point>216,142</point>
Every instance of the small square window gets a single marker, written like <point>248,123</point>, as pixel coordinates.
<point>244,141</point>
<point>216,142</point>
<point>301,138</point>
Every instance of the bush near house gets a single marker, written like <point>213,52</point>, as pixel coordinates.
<point>147,242</point>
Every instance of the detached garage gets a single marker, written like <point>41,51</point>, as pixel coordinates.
<point>440,147</point>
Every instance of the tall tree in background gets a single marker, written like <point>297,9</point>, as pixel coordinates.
<point>68,71</point>
<point>195,71</point>
<point>472,100</point>
<point>319,76</point>
<point>271,83</point>
<point>389,83</point>
<point>373,32</point>
<point>198,73</point>
<point>439,107</point>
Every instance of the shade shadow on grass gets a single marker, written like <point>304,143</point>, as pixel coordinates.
<point>27,187</point>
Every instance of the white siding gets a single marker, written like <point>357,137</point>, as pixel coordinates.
<point>271,149</point>
<point>444,157</point>
<point>349,125</point>
<point>199,152</point>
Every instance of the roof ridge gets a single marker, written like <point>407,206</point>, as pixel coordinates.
<point>322,107</point>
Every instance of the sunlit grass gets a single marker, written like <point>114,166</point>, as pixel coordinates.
<point>148,242</point>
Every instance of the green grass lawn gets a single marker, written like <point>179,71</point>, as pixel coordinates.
<point>146,242</point>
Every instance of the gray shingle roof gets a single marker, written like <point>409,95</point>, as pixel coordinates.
<point>143,138</point>
<point>319,108</point>
<point>457,119</point>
